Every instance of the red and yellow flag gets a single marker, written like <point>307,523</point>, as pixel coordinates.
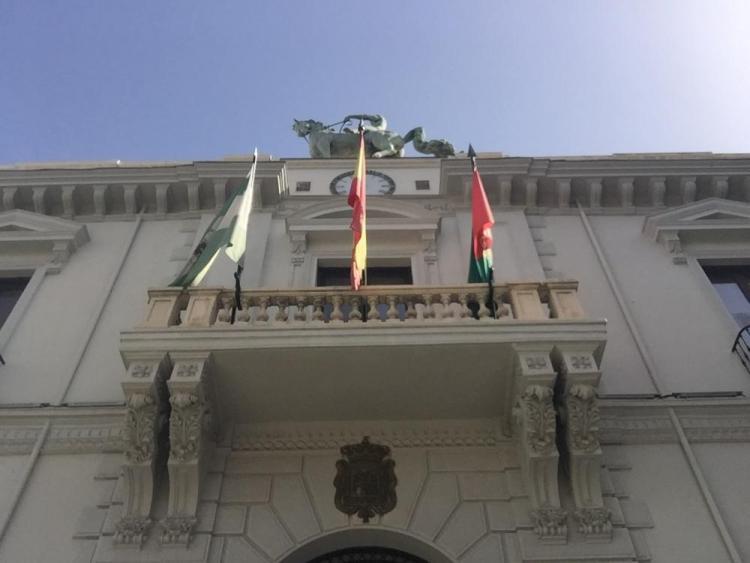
<point>357,200</point>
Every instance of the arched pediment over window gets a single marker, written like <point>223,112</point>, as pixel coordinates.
<point>714,226</point>
<point>342,545</point>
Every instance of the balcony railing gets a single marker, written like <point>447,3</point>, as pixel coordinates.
<point>204,307</point>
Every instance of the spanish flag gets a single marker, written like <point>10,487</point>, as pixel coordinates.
<point>480,262</point>
<point>357,200</point>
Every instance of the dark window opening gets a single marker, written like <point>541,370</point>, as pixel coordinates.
<point>732,283</point>
<point>422,184</point>
<point>10,291</point>
<point>329,276</point>
<point>368,554</point>
<point>303,186</point>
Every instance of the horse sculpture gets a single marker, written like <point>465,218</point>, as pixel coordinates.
<point>325,142</point>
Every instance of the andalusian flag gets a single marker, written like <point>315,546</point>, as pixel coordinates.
<point>357,200</point>
<point>228,230</point>
<point>480,262</point>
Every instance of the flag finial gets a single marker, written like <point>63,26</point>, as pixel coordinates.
<point>472,153</point>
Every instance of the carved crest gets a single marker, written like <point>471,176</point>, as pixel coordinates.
<point>365,480</point>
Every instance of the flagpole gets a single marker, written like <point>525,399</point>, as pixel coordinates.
<point>491,269</point>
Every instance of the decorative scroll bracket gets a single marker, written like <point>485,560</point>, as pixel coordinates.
<point>534,416</point>
<point>579,378</point>
<point>145,398</point>
<point>190,425</point>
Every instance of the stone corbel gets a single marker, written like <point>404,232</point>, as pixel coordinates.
<point>673,244</point>
<point>534,417</point>
<point>429,252</point>
<point>145,399</point>
<point>190,439</point>
<point>579,379</point>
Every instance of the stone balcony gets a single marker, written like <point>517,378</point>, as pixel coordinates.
<point>381,353</point>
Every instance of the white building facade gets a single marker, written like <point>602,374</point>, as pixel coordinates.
<point>600,416</point>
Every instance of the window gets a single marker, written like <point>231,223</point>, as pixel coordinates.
<point>732,283</point>
<point>422,184</point>
<point>380,271</point>
<point>303,186</point>
<point>10,291</point>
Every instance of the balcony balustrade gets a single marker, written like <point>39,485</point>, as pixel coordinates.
<point>403,304</point>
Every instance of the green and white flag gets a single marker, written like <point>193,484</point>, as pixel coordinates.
<point>228,230</point>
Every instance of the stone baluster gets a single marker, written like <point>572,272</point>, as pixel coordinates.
<point>373,313</point>
<point>243,315</point>
<point>261,317</point>
<point>392,312</point>
<point>483,313</point>
<point>224,315</point>
<point>281,314</point>
<point>445,309</point>
<point>317,312</point>
<point>190,440</point>
<point>535,426</point>
<point>300,314</point>
<point>580,375</point>
<point>355,315</point>
<point>531,192</point>
<point>145,420</point>
<point>411,311</point>
<point>463,311</point>
<point>337,315</point>
<point>746,188</point>
<point>427,310</point>
<point>502,311</point>
<point>9,198</point>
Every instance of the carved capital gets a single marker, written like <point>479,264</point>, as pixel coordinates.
<point>594,522</point>
<point>177,529</point>
<point>131,530</point>
<point>550,524</point>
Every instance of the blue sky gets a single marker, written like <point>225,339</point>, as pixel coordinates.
<point>145,80</point>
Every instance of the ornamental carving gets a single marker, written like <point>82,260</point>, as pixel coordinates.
<point>594,521</point>
<point>139,428</point>
<point>140,371</point>
<point>583,418</point>
<point>538,418</point>
<point>581,362</point>
<point>365,480</point>
<point>177,529</point>
<point>187,370</point>
<point>184,426</point>
<point>131,530</point>
<point>550,523</point>
<point>536,362</point>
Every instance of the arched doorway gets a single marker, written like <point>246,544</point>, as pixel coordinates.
<point>367,545</point>
<point>368,554</point>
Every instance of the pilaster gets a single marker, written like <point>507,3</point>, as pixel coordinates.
<point>189,438</point>
<point>579,379</point>
<point>535,424</point>
<point>146,415</point>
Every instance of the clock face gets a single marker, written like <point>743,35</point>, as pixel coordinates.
<point>377,183</point>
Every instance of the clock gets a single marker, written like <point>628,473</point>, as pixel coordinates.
<point>377,183</point>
